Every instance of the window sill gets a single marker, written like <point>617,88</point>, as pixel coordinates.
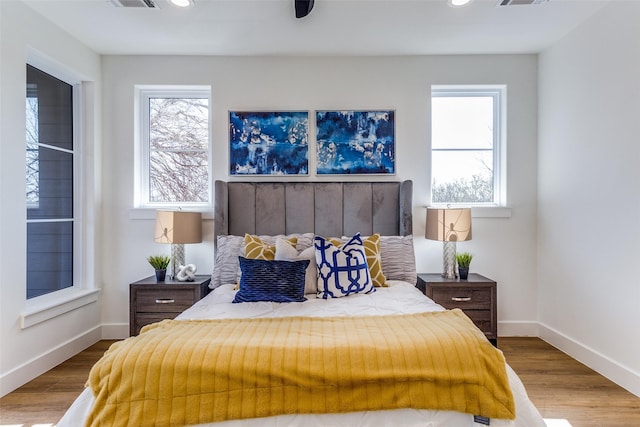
<point>39,313</point>
<point>150,213</point>
<point>480,211</point>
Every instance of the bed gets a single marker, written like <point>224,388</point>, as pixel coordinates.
<point>314,320</point>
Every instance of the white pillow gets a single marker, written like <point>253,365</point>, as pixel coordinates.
<point>342,271</point>
<point>286,252</point>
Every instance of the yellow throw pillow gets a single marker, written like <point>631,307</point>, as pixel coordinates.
<point>336,241</point>
<point>372,252</point>
<point>255,248</point>
<point>374,261</point>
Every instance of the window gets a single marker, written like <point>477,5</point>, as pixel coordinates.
<point>174,147</point>
<point>467,166</point>
<point>50,161</point>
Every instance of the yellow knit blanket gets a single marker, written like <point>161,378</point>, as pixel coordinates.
<point>181,372</point>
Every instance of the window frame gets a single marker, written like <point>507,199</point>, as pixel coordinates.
<point>77,221</point>
<point>499,95</point>
<point>85,288</point>
<point>143,150</point>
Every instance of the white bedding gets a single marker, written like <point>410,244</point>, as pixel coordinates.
<point>399,298</point>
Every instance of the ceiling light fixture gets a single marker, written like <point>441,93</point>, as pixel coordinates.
<point>458,3</point>
<point>182,3</point>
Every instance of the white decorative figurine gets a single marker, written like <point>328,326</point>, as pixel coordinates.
<point>186,273</point>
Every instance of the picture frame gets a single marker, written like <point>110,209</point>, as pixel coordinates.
<point>355,142</point>
<point>268,143</point>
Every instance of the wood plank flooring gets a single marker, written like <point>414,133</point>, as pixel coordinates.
<point>559,386</point>
<point>563,388</point>
<point>42,401</point>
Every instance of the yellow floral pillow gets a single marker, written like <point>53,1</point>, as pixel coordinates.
<point>374,261</point>
<point>256,248</point>
<point>336,241</point>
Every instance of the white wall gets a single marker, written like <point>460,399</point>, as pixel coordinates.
<point>553,265</point>
<point>25,353</point>
<point>505,248</point>
<point>589,193</point>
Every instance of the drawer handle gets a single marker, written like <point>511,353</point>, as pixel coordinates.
<point>461,299</point>
<point>165,301</point>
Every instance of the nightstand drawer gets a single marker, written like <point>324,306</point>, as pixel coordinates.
<point>476,296</point>
<point>151,301</point>
<point>143,319</point>
<point>164,301</point>
<point>465,298</point>
<point>482,319</point>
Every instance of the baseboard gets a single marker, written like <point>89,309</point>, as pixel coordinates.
<point>52,358</point>
<point>115,331</point>
<point>621,375</point>
<point>518,329</point>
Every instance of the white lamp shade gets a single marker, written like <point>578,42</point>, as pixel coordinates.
<point>448,225</point>
<point>178,227</point>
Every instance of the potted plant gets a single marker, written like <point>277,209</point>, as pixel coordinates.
<point>464,259</point>
<point>160,263</point>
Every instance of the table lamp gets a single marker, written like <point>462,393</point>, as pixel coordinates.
<point>448,225</point>
<point>178,228</point>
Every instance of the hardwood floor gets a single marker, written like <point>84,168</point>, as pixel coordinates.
<point>559,386</point>
<point>42,401</point>
<point>562,388</point>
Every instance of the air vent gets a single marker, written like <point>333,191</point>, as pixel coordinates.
<point>519,2</point>
<point>149,4</point>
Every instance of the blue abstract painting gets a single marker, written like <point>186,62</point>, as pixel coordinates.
<point>268,143</point>
<point>355,142</point>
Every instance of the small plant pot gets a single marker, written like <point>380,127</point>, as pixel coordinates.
<point>463,272</point>
<point>161,275</point>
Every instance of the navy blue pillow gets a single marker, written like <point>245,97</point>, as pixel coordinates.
<point>277,281</point>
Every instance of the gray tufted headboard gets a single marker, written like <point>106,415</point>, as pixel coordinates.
<point>324,208</point>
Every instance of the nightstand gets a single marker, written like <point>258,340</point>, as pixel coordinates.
<point>475,296</point>
<point>151,301</point>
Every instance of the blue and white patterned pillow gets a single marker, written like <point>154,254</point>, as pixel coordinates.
<point>267,280</point>
<point>342,271</point>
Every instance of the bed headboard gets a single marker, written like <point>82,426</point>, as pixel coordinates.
<point>324,208</point>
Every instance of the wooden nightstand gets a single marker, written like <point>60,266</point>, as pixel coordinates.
<point>151,301</point>
<point>475,296</point>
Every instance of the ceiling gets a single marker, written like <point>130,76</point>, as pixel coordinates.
<point>334,27</point>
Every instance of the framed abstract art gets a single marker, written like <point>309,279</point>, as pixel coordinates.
<point>355,142</point>
<point>268,143</point>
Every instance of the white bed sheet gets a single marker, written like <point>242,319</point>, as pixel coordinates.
<point>399,298</point>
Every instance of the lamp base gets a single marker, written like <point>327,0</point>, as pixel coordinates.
<point>177,258</point>
<point>449,260</point>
